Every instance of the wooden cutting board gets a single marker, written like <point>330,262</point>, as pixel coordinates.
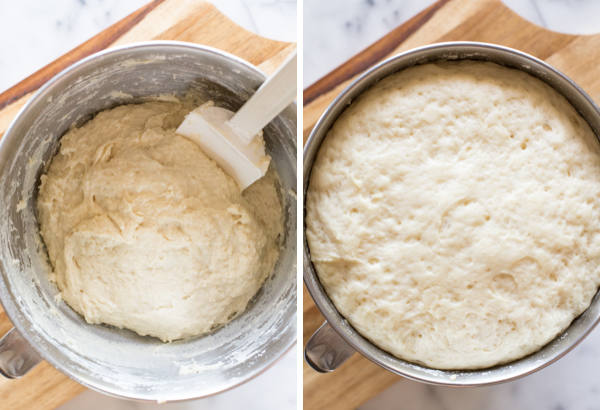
<point>196,21</point>
<point>490,21</point>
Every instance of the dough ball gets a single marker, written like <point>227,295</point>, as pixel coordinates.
<point>453,214</point>
<point>145,232</point>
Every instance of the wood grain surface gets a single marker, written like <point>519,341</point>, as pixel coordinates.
<point>196,21</point>
<point>490,21</point>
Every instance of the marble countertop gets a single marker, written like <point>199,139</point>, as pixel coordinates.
<point>35,32</point>
<point>571,383</point>
<point>336,30</point>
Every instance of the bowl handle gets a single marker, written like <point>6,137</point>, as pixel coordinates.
<point>327,350</point>
<point>16,356</point>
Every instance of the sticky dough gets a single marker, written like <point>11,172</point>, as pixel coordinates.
<point>145,232</point>
<point>453,214</point>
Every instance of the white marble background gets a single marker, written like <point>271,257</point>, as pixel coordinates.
<point>35,32</point>
<point>571,383</point>
<point>336,30</point>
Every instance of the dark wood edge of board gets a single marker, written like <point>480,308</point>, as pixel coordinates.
<point>93,45</point>
<point>371,54</point>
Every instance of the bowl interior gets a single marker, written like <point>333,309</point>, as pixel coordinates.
<point>555,349</point>
<point>115,361</point>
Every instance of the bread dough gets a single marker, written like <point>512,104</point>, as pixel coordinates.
<point>145,232</point>
<point>452,214</point>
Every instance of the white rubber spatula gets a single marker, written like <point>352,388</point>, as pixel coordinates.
<point>234,141</point>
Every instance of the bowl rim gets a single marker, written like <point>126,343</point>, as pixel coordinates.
<point>7,298</point>
<point>446,51</point>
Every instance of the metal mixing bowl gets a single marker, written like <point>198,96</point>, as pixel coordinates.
<point>110,360</point>
<point>337,340</point>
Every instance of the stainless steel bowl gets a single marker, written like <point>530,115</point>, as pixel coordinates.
<point>337,340</point>
<point>110,360</point>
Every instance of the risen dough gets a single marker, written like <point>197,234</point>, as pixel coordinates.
<point>145,232</point>
<point>453,214</point>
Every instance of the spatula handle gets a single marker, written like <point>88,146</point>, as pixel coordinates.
<point>273,96</point>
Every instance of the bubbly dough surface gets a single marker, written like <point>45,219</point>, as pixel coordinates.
<point>145,232</point>
<point>453,214</point>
